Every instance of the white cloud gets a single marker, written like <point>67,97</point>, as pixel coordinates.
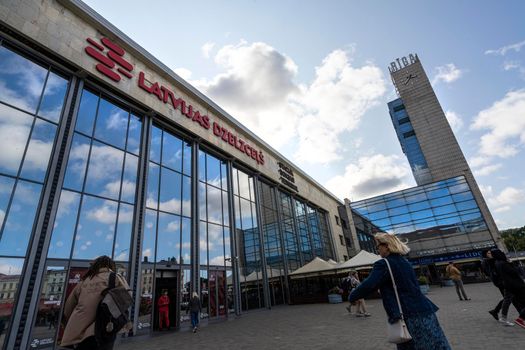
<point>259,90</point>
<point>207,48</point>
<point>454,119</point>
<point>502,209</point>
<point>487,170</point>
<point>371,176</point>
<point>509,65</point>
<point>106,214</point>
<point>503,50</point>
<point>447,73</point>
<point>509,195</point>
<point>505,122</point>
<point>183,73</point>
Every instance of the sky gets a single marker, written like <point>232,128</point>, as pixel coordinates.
<point>311,79</point>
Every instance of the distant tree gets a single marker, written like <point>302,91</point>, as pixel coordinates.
<point>514,238</point>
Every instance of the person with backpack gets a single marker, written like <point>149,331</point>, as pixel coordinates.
<point>82,310</point>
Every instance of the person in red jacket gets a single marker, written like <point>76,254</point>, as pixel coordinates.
<point>164,310</point>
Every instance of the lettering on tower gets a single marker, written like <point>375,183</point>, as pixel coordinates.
<point>286,176</point>
<point>402,62</point>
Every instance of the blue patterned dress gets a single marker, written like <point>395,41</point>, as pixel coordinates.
<point>426,334</point>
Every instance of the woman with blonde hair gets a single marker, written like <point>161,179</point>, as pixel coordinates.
<point>417,311</point>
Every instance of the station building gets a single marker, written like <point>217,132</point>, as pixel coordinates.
<point>106,151</point>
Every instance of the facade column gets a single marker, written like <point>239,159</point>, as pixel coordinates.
<point>277,204</point>
<point>330,234</point>
<point>351,225</point>
<point>233,242</point>
<point>264,271</point>
<point>195,243</point>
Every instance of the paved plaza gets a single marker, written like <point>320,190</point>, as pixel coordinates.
<point>329,326</point>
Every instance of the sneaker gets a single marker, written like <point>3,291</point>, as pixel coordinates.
<point>349,309</point>
<point>494,314</point>
<point>520,322</point>
<point>367,314</point>
<point>359,314</point>
<point>194,329</point>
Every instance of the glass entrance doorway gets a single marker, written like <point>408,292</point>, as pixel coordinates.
<point>166,300</point>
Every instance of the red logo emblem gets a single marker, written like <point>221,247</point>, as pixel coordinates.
<point>109,59</point>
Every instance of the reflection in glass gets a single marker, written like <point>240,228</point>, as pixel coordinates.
<point>150,233</point>
<point>64,228</point>
<point>104,171</point>
<point>6,188</point>
<point>153,186</point>
<point>112,123</point>
<point>134,135</point>
<point>47,318</point>
<point>185,289</point>
<point>96,227</point>
<point>170,191</point>
<point>10,273</point>
<point>22,80</point>
<point>130,179</point>
<point>86,113</point>
<point>169,238</point>
<point>39,151</point>
<point>53,99</point>
<point>19,222</point>
<point>124,227</point>
<point>146,299</point>
<point>186,241</point>
<point>172,152</point>
<point>155,144</point>
<point>76,166</point>
<point>15,127</point>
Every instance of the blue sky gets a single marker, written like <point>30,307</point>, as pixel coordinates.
<point>311,79</point>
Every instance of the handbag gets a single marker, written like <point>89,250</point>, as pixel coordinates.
<point>397,331</point>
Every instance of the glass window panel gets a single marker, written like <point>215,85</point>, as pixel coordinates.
<point>215,245</point>
<point>6,188</point>
<point>467,205</point>
<point>214,205</point>
<point>202,166</point>
<point>224,175</point>
<point>440,192</point>
<point>235,180</point>
<point>472,216</point>
<point>186,158</point>
<point>124,228</point>
<point>22,80</point>
<point>155,145</point>
<point>86,113</point>
<point>462,187</point>
<point>225,209</point>
<point>76,166</point>
<point>39,151</point>
<point>14,133</point>
<point>146,299</point>
<point>464,196</point>
<point>418,197</point>
<point>213,171</point>
<point>96,228</point>
<point>399,210</point>
<point>400,219</point>
<point>378,215</point>
<point>227,248</point>
<point>172,152</point>
<point>186,241</point>
<point>203,243</point>
<point>150,233</point>
<point>203,214</point>
<point>444,210</point>
<point>453,220</point>
<point>376,206</point>
<point>11,270</point>
<point>422,214</point>
<point>53,99</point>
<point>134,135</point>
<point>395,202</point>
<point>104,171</point>
<point>246,212</point>
<point>168,246</point>
<point>153,186</point>
<point>403,229</point>
<point>419,206</point>
<point>64,227</point>
<point>425,225</point>
<point>382,223</point>
<point>19,222</point>
<point>130,178</point>
<point>112,124</point>
<point>186,196</point>
<point>441,201</point>
<point>244,185</point>
<point>170,191</point>
<point>47,322</point>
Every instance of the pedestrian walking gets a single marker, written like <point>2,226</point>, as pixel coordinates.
<point>195,308</point>
<point>346,285</point>
<point>512,282</point>
<point>163,305</point>
<point>81,307</point>
<point>417,311</point>
<point>489,268</point>
<point>360,304</point>
<point>455,275</point>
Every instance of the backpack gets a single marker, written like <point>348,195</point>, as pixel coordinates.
<point>112,311</point>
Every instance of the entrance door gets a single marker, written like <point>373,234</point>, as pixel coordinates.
<point>166,281</point>
<point>217,296</point>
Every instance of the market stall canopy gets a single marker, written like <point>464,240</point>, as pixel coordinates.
<point>363,258</point>
<point>333,262</point>
<point>316,266</point>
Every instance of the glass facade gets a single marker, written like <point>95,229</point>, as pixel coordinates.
<point>409,143</point>
<point>437,218</point>
<point>130,187</point>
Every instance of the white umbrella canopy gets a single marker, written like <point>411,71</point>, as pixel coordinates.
<point>316,265</point>
<point>333,262</point>
<point>363,258</point>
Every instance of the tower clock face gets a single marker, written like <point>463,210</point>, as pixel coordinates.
<point>409,78</point>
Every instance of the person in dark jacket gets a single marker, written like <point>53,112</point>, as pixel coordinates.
<point>489,268</point>
<point>418,310</point>
<point>512,283</point>
<point>195,308</point>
